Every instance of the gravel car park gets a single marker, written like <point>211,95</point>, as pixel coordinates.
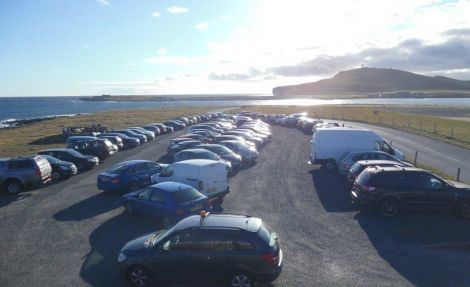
<point>326,240</point>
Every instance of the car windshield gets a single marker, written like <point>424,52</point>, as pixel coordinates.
<point>74,153</point>
<point>364,177</point>
<point>185,195</point>
<point>220,150</point>
<point>118,169</point>
<point>159,235</point>
<point>209,155</point>
<point>52,159</point>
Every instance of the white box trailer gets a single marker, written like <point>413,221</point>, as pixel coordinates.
<point>329,145</point>
<point>208,176</point>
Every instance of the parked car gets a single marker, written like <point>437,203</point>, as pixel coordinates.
<point>163,128</point>
<point>199,153</point>
<point>232,138</point>
<point>349,158</point>
<point>149,134</point>
<point>394,188</point>
<point>240,250</point>
<point>20,172</point>
<point>81,161</point>
<point>330,144</point>
<point>206,127</point>
<point>181,145</point>
<point>142,138</point>
<point>129,175</point>
<point>115,140</point>
<point>61,169</point>
<point>176,125</point>
<point>205,133</point>
<point>246,151</point>
<point>360,165</point>
<point>248,137</point>
<point>223,152</point>
<point>207,176</point>
<point>74,139</point>
<point>152,128</point>
<point>168,201</point>
<point>102,148</point>
<point>128,142</point>
<point>195,137</point>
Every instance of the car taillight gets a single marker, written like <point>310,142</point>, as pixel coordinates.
<point>179,212</point>
<point>367,188</point>
<point>115,180</point>
<point>269,258</point>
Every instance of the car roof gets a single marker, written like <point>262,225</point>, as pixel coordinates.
<point>196,162</point>
<point>377,162</point>
<point>58,149</point>
<point>396,168</point>
<point>170,186</point>
<point>196,151</point>
<point>221,222</point>
<point>135,161</point>
<point>190,141</point>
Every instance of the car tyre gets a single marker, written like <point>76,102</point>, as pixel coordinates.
<point>330,165</point>
<point>464,209</point>
<point>241,279</point>
<point>389,207</point>
<point>13,186</point>
<point>139,276</point>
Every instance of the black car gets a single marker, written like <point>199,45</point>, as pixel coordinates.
<point>174,148</point>
<point>102,148</point>
<point>142,138</point>
<point>61,169</point>
<point>394,188</point>
<point>176,125</point>
<point>224,153</point>
<point>81,161</point>
<point>152,128</point>
<point>235,249</point>
<point>128,141</point>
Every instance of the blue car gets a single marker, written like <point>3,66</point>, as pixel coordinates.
<point>168,201</point>
<point>129,175</point>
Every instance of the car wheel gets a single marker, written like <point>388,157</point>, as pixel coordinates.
<point>133,186</point>
<point>389,207</point>
<point>55,175</point>
<point>80,166</point>
<point>464,209</point>
<point>241,279</point>
<point>330,165</point>
<point>166,221</point>
<point>139,276</point>
<point>13,186</point>
<point>129,208</point>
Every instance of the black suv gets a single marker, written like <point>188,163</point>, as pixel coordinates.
<point>393,188</point>
<point>236,249</point>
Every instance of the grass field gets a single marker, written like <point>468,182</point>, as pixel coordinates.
<point>456,132</point>
<point>46,134</point>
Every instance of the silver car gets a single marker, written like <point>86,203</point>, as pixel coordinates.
<point>19,172</point>
<point>351,157</point>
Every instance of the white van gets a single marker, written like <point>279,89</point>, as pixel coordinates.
<point>208,176</point>
<point>329,144</point>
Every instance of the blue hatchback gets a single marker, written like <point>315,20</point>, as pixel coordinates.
<point>129,175</point>
<point>169,201</point>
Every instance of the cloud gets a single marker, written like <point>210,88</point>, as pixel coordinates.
<point>86,46</point>
<point>162,51</point>
<point>412,54</point>
<point>252,73</point>
<point>205,24</point>
<point>103,2</point>
<point>177,10</point>
<point>202,26</point>
<point>465,32</point>
<point>156,14</point>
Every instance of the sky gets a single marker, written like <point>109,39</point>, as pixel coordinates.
<point>94,47</point>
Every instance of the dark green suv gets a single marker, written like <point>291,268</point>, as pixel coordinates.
<point>394,188</point>
<point>235,249</point>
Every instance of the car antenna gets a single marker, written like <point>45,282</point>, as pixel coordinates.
<point>204,214</point>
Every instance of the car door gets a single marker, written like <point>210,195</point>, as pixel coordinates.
<point>437,193</point>
<point>151,168</point>
<point>142,204</point>
<point>158,204</point>
<point>416,194</point>
<point>138,174</point>
<point>178,256</point>
<point>218,254</point>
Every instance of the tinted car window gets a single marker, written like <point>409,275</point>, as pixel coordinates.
<point>151,165</point>
<point>430,182</point>
<point>118,169</point>
<point>186,195</point>
<point>211,241</point>
<point>183,241</point>
<point>243,244</point>
<point>364,177</point>
<point>158,197</point>
<point>146,193</point>
<point>167,172</point>
<point>14,164</point>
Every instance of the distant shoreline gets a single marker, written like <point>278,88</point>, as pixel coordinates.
<point>389,95</point>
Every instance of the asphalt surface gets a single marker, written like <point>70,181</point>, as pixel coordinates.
<point>69,233</point>
<point>435,153</point>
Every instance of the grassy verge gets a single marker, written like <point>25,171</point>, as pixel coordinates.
<point>452,131</point>
<point>46,134</point>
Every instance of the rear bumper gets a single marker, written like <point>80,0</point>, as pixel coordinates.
<point>272,275</point>
<point>360,199</point>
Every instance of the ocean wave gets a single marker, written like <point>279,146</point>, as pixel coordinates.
<point>9,123</point>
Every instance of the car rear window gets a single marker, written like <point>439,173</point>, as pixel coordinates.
<point>185,195</point>
<point>364,177</point>
<point>268,235</point>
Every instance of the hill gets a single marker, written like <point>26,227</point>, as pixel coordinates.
<point>375,80</point>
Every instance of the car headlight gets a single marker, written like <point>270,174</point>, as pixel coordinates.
<point>122,257</point>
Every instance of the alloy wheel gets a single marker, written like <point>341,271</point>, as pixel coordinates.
<point>241,280</point>
<point>13,187</point>
<point>139,277</point>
